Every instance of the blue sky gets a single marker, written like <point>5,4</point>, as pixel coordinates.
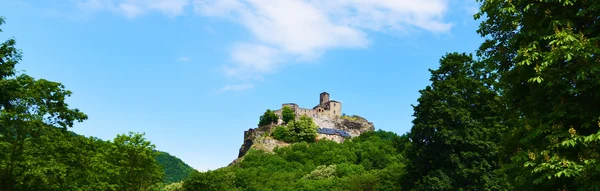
<point>194,74</point>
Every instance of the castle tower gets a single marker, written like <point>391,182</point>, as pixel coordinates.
<point>324,98</point>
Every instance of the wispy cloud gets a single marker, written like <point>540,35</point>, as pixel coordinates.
<point>135,8</point>
<point>252,59</point>
<point>236,87</point>
<point>184,59</point>
<point>209,30</point>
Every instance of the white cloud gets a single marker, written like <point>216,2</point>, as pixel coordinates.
<point>236,87</point>
<point>95,5</point>
<point>295,30</point>
<point>184,59</point>
<point>252,59</point>
<point>135,8</point>
<point>300,30</point>
<point>130,10</point>
<point>217,8</point>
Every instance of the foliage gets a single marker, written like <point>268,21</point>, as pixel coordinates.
<point>303,130</point>
<point>348,117</point>
<point>281,133</point>
<point>177,186</point>
<point>59,160</point>
<point>38,152</point>
<point>547,54</point>
<point>28,108</point>
<point>287,114</point>
<point>268,118</point>
<point>136,156</point>
<point>322,172</point>
<point>368,162</point>
<point>456,129</point>
<point>175,169</point>
<point>210,181</point>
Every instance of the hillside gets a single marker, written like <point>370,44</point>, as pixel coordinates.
<point>260,138</point>
<point>370,161</point>
<point>175,169</point>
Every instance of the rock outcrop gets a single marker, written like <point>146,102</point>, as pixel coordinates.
<point>259,138</point>
<point>354,125</point>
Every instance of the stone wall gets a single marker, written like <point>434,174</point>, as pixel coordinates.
<point>335,138</point>
<point>307,112</point>
<point>335,108</point>
<point>299,112</point>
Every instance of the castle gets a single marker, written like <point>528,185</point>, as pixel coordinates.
<point>326,107</point>
<point>327,116</point>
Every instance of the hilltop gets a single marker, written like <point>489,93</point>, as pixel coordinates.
<point>327,117</point>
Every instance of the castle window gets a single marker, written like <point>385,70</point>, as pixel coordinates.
<point>333,104</point>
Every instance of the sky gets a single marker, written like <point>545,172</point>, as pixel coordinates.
<point>193,75</point>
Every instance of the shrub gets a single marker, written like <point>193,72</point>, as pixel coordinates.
<point>269,117</point>
<point>287,114</point>
<point>297,131</point>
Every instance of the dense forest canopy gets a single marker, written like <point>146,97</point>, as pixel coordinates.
<point>365,163</point>
<point>520,114</point>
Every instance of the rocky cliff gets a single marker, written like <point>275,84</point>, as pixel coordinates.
<point>259,138</point>
<point>354,125</point>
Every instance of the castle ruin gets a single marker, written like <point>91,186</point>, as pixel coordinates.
<point>326,107</point>
<point>327,116</point>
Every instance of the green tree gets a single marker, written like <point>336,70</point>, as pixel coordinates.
<point>58,160</point>
<point>288,114</point>
<point>210,181</point>
<point>548,55</point>
<point>283,134</point>
<point>38,152</point>
<point>177,186</point>
<point>136,159</point>
<point>321,172</point>
<point>269,117</point>
<point>303,130</point>
<point>456,129</point>
<point>28,107</point>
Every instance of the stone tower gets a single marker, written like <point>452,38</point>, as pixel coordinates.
<point>324,98</point>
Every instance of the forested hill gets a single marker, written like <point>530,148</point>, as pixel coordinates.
<point>175,169</point>
<point>371,161</point>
